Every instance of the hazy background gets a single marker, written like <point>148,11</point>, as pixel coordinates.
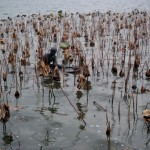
<point>15,7</point>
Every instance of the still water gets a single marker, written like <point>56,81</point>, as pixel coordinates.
<point>15,7</point>
<point>35,126</point>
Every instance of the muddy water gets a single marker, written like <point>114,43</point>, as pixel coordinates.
<point>38,121</point>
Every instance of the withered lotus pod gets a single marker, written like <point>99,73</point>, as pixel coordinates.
<point>23,62</point>
<point>14,36</point>
<point>2,35</point>
<point>36,30</point>
<point>131,46</point>
<point>86,72</point>
<point>55,35</point>
<point>137,45</point>
<point>78,34</point>
<point>15,48</point>
<point>3,51</point>
<point>143,89</point>
<point>121,74</point>
<point>7,30</point>
<point>4,112</point>
<point>92,43</point>
<point>5,76</point>
<point>72,47</point>
<point>2,41</point>
<point>114,68</point>
<point>86,34</point>
<point>17,94</point>
<point>40,17</point>
<point>122,62</point>
<point>108,130</point>
<point>134,87</point>
<point>136,63</point>
<point>11,58</point>
<point>71,60</point>
<point>130,26</point>
<point>147,74</point>
<point>22,30</point>
<point>27,53</point>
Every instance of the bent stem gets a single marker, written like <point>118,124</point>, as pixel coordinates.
<point>72,105</point>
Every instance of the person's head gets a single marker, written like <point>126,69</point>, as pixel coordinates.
<point>53,50</point>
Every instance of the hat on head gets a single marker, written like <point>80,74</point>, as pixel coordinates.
<point>53,50</point>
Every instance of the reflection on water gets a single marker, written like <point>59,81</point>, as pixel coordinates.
<point>48,114</point>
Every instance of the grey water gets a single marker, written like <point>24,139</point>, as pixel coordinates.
<point>35,126</point>
<point>15,7</point>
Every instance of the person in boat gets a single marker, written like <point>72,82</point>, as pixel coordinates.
<point>50,58</point>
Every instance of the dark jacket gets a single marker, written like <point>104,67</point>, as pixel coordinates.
<point>50,58</point>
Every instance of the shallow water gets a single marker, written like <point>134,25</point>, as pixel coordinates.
<point>15,7</point>
<point>37,124</point>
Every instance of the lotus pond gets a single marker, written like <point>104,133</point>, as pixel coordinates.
<point>100,100</point>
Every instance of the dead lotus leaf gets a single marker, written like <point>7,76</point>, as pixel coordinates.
<point>4,112</point>
<point>146,115</point>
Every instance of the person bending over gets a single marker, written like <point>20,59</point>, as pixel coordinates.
<point>50,58</point>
